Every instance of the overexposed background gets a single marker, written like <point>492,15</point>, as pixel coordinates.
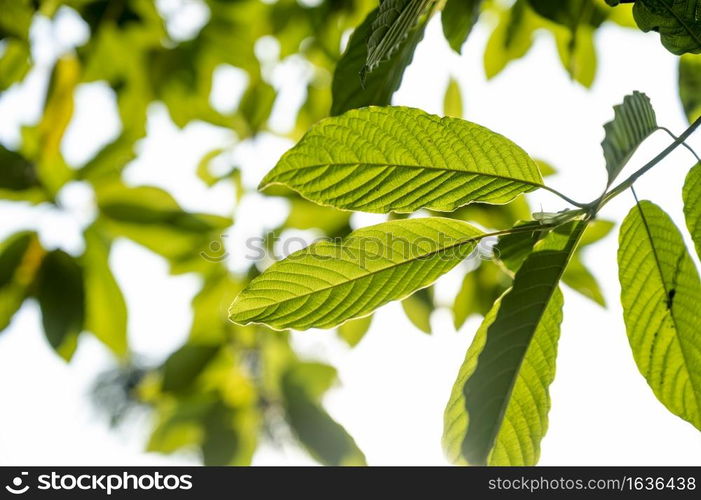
<point>395,384</point>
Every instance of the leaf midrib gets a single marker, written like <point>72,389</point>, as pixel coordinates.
<point>394,265</point>
<point>669,312</point>
<point>406,166</point>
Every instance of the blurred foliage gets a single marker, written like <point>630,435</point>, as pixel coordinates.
<point>228,388</point>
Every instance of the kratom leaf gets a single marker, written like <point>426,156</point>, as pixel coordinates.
<point>692,205</point>
<point>349,91</point>
<point>325,439</point>
<point>105,308</point>
<point>690,85</point>
<point>452,101</point>
<point>458,18</point>
<point>570,13</point>
<point>634,120</point>
<point>401,159</point>
<point>577,53</point>
<point>326,284</point>
<point>497,413</point>
<point>394,20</point>
<point>61,297</point>
<point>353,331</point>
<point>677,21</point>
<point>661,298</point>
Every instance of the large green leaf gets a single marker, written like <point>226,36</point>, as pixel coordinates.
<point>327,441</point>
<point>105,308</point>
<point>458,19</point>
<point>692,205</point>
<point>61,296</point>
<point>328,283</point>
<point>401,159</point>
<point>677,21</point>
<point>661,298</point>
<point>497,413</point>
<point>690,85</point>
<point>394,20</point>
<point>349,91</point>
<point>634,120</point>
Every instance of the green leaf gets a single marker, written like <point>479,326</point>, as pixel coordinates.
<point>353,331</point>
<point>690,85</point>
<point>634,120</point>
<point>570,13</point>
<point>458,19</point>
<point>677,21</point>
<point>15,63</point>
<point>349,91</point>
<point>511,39</point>
<point>479,289</point>
<point>497,413</point>
<point>105,308</point>
<point>452,101</point>
<point>394,20</point>
<point>61,296</point>
<point>418,308</point>
<point>661,298</point>
<point>327,441</point>
<point>20,257</point>
<point>401,159</point>
<point>151,217</point>
<point>578,53</point>
<point>328,283</point>
<point>185,364</point>
<point>692,205</point>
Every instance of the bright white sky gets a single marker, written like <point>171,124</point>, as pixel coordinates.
<point>394,385</point>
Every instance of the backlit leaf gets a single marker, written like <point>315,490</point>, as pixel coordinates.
<point>634,120</point>
<point>677,21</point>
<point>401,159</point>
<point>692,205</point>
<point>690,85</point>
<point>497,413</point>
<point>661,298</point>
<point>328,283</point>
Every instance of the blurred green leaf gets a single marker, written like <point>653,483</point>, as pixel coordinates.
<point>184,365</point>
<point>350,91</point>
<point>418,308</point>
<point>452,101</point>
<point>353,331</point>
<point>480,288</point>
<point>15,62</point>
<point>20,257</point>
<point>61,296</point>
<point>105,308</point>
<point>511,39</point>
<point>690,85</point>
<point>458,18</point>
<point>327,441</point>
<point>15,19</point>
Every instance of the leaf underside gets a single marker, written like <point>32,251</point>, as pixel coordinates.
<point>634,120</point>
<point>402,159</point>
<point>497,413</point>
<point>326,283</point>
<point>661,298</point>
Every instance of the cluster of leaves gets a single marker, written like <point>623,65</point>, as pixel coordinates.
<point>399,160</point>
<point>229,386</point>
